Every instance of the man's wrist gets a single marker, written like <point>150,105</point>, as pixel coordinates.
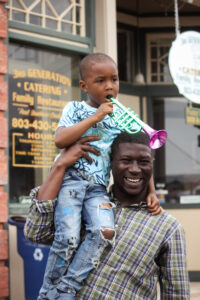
<point>60,165</point>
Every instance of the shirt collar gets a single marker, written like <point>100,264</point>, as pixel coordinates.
<point>142,204</point>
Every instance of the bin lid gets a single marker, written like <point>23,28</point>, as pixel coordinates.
<point>18,221</point>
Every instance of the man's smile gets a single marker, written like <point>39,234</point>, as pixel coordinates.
<point>134,180</point>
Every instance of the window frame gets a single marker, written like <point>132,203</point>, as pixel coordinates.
<point>149,38</point>
<point>18,31</point>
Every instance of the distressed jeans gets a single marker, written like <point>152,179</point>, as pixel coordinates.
<point>69,262</point>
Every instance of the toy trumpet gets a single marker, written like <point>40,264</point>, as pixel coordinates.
<point>125,118</point>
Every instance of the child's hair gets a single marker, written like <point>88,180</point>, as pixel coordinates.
<point>94,57</point>
<point>124,137</point>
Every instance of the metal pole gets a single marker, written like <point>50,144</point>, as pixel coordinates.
<point>177,27</point>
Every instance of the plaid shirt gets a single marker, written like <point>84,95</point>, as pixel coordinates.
<point>148,249</point>
<point>39,226</point>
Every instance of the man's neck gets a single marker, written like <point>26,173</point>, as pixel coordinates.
<point>126,199</point>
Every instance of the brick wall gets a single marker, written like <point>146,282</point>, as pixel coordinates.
<point>4,290</point>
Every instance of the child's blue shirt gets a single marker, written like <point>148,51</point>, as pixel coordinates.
<point>99,170</point>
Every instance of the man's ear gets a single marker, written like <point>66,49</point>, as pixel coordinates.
<point>83,86</point>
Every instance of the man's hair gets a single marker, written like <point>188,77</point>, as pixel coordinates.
<point>94,57</point>
<point>124,137</point>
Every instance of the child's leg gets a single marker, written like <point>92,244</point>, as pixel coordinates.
<point>67,232</point>
<point>99,221</point>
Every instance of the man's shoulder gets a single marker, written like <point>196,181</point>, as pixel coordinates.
<point>169,223</point>
<point>169,217</point>
<point>166,218</point>
<point>162,221</point>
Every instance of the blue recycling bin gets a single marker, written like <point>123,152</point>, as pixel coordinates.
<point>35,259</point>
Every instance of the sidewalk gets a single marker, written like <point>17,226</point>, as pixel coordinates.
<point>195,290</point>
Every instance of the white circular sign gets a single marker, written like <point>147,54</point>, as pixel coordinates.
<point>184,64</point>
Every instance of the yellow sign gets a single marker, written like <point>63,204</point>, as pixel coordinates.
<point>37,98</point>
<point>192,116</point>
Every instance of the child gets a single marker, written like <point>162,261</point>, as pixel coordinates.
<point>83,191</point>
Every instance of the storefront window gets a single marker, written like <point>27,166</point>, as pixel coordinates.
<point>158,46</point>
<point>41,83</point>
<point>63,15</point>
<point>177,164</point>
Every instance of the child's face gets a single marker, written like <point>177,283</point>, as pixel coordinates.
<point>101,80</point>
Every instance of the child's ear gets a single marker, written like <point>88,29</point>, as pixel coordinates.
<point>83,86</point>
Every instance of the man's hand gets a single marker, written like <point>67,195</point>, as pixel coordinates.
<point>154,204</point>
<point>51,186</point>
<point>77,150</point>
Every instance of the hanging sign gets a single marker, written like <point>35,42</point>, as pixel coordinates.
<point>184,64</point>
<point>192,115</point>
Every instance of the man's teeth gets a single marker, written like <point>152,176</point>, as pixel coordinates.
<point>133,180</point>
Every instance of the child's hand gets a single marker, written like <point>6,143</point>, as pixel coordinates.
<point>154,204</point>
<point>103,110</point>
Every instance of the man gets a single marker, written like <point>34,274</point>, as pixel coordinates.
<point>148,250</point>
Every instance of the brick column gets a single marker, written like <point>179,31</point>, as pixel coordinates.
<point>4,290</point>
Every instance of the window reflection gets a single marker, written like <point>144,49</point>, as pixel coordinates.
<point>40,84</point>
<point>177,164</point>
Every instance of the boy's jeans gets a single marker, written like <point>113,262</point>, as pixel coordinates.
<point>77,199</point>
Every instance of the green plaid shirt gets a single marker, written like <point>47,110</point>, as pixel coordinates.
<point>39,226</point>
<point>148,250</point>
